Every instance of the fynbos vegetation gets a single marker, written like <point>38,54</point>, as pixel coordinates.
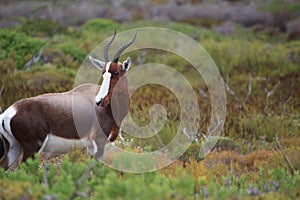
<point>258,154</point>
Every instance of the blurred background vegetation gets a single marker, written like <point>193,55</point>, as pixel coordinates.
<point>256,46</point>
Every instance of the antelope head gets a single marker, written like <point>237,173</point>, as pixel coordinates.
<point>112,71</point>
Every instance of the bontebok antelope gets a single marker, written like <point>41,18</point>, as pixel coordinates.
<point>46,123</point>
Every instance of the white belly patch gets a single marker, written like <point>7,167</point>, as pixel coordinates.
<point>58,145</point>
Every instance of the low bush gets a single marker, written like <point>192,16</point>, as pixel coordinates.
<point>78,54</point>
<point>100,25</point>
<point>86,179</point>
<point>41,27</point>
<point>23,84</point>
<point>22,46</point>
<point>246,162</point>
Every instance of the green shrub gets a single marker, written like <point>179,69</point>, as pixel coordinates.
<point>226,173</point>
<point>279,6</point>
<point>41,27</point>
<point>23,84</point>
<point>220,144</point>
<point>78,54</point>
<point>99,25</point>
<point>67,181</point>
<point>22,46</point>
<point>257,57</point>
<point>68,71</point>
<point>58,58</point>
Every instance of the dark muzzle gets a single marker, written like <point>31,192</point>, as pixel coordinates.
<point>98,103</point>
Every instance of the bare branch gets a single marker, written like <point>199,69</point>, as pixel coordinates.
<point>190,136</point>
<point>231,92</point>
<point>285,155</point>
<point>50,197</point>
<point>211,132</point>
<point>34,59</point>
<point>241,105</point>
<point>249,90</point>
<point>28,64</point>
<point>219,123</point>
<point>1,91</point>
<point>85,175</point>
<point>291,92</point>
<point>202,93</point>
<point>269,93</point>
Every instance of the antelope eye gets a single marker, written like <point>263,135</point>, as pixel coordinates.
<point>115,73</point>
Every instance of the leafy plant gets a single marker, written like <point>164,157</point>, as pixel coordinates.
<point>78,54</point>
<point>41,27</point>
<point>22,46</point>
<point>100,25</point>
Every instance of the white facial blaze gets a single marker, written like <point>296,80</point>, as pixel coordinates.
<point>105,84</point>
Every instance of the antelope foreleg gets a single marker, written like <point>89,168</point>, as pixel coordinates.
<point>100,141</point>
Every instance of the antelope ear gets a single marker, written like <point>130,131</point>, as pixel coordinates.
<point>126,65</point>
<point>97,63</point>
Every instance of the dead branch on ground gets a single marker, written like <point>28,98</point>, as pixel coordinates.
<point>269,93</point>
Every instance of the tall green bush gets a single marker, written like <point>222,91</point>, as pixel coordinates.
<point>41,27</point>
<point>22,46</point>
<point>100,24</point>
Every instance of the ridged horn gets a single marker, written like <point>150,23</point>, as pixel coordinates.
<point>122,48</point>
<point>105,51</point>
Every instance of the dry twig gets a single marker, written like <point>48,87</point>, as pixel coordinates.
<point>202,93</point>
<point>286,157</point>
<point>34,59</point>
<point>211,132</point>
<point>269,93</point>
<point>235,97</point>
<point>291,92</point>
<point>249,89</point>
<point>231,92</point>
<point>85,175</point>
<point>1,91</point>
